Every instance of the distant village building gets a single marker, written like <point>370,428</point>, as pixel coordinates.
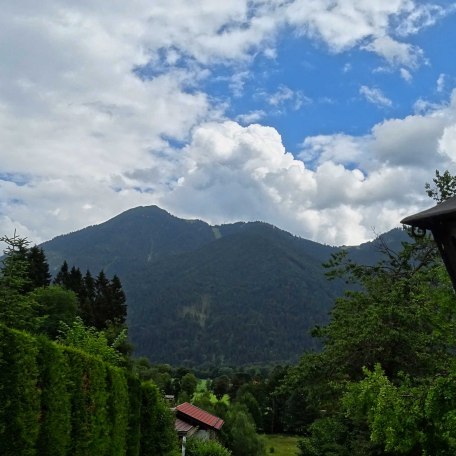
<point>170,399</point>
<point>193,421</point>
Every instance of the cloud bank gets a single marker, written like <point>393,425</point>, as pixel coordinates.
<point>103,107</point>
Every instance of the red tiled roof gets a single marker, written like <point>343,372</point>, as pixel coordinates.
<point>182,426</point>
<point>200,415</point>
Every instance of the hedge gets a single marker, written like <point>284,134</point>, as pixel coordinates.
<point>134,416</point>
<point>118,411</point>
<point>59,401</point>
<point>55,414</point>
<point>157,424</point>
<point>89,424</point>
<point>19,393</point>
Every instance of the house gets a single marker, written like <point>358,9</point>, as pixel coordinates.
<point>191,420</point>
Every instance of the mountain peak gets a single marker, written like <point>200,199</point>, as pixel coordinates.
<point>201,294</point>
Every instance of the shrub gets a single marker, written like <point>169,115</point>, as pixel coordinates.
<point>199,447</point>
<point>19,395</point>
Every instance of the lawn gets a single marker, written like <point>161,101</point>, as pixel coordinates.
<point>284,445</point>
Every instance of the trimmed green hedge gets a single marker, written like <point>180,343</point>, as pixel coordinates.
<point>134,416</point>
<point>158,437</point>
<point>55,415</point>
<point>19,393</point>
<point>118,411</point>
<point>59,401</point>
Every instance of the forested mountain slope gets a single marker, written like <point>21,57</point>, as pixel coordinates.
<point>197,294</point>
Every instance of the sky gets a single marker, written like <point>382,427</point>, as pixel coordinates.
<point>323,117</point>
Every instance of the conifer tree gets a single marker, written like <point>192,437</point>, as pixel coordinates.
<point>16,309</point>
<point>76,282</point>
<point>38,268</point>
<point>101,313</point>
<point>102,301</point>
<point>86,299</point>
<point>118,302</point>
<point>63,277</point>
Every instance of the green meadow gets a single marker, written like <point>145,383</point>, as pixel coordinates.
<point>280,445</point>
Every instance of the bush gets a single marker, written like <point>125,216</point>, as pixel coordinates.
<point>54,305</point>
<point>199,447</point>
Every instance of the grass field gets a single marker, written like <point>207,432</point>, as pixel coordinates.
<point>201,389</point>
<point>284,445</point>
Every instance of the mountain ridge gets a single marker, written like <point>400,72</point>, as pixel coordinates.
<point>199,294</point>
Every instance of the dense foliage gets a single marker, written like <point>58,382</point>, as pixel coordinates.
<point>68,397</point>
<point>102,301</point>
<point>384,382</point>
<point>61,401</point>
<point>57,400</point>
<point>199,447</point>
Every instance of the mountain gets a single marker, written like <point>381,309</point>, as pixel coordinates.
<point>198,294</point>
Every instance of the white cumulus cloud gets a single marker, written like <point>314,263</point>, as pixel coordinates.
<point>375,96</point>
<point>102,109</point>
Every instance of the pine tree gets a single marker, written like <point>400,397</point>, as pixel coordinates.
<point>86,300</point>
<point>102,302</point>
<point>101,313</point>
<point>76,283</point>
<point>63,277</point>
<point>38,268</point>
<point>17,310</point>
<point>118,307</point>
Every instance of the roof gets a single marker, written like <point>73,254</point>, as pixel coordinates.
<point>424,219</point>
<point>200,415</point>
<point>182,426</point>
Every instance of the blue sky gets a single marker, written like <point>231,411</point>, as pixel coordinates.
<point>323,117</point>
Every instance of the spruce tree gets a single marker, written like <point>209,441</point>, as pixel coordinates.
<point>118,307</point>
<point>76,283</point>
<point>102,302</point>
<point>38,268</point>
<point>86,300</point>
<point>63,277</point>
<point>17,310</point>
<point>101,307</point>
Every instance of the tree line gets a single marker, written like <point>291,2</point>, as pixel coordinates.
<point>45,306</point>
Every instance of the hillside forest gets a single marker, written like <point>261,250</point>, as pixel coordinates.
<point>380,380</point>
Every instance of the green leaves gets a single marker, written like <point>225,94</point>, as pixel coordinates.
<point>199,447</point>
<point>92,341</point>
<point>239,433</point>
<point>388,339</point>
<point>444,186</point>
<point>392,412</point>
